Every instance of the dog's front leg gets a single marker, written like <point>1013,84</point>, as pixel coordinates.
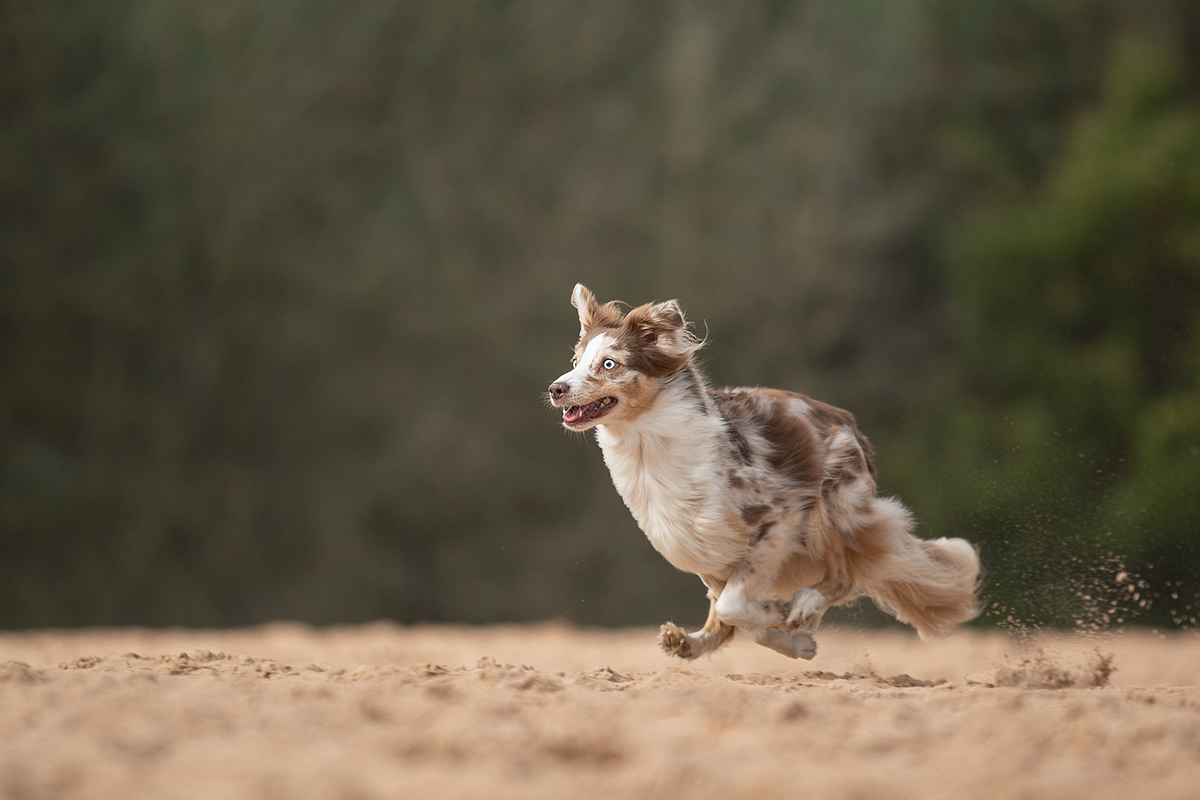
<point>675,641</point>
<point>767,619</point>
<point>743,605</point>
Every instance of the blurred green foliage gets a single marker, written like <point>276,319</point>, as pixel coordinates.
<point>1068,435</point>
<point>281,284</point>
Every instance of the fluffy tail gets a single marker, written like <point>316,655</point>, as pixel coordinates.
<point>932,585</point>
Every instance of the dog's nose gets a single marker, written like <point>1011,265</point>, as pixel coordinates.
<point>559,389</point>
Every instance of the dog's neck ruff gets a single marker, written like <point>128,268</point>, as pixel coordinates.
<point>666,465</point>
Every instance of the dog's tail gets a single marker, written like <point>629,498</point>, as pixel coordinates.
<point>932,585</point>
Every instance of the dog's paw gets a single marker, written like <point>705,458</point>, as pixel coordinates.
<point>808,606</point>
<point>674,641</point>
<point>793,644</point>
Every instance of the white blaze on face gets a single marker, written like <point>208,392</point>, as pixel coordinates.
<point>587,362</point>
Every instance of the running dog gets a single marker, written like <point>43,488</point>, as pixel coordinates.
<point>767,495</point>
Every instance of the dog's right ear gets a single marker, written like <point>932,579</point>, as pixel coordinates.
<point>585,303</point>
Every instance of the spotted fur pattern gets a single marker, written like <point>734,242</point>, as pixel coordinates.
<point>769,496</point>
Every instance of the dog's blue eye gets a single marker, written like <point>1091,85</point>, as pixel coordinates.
<point>609,363</point>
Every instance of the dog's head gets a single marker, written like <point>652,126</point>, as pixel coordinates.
<point>621,360</point>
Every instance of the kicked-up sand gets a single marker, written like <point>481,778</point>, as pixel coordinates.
<point>550,711</point>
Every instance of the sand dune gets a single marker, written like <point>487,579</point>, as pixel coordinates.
<point>383,711</point>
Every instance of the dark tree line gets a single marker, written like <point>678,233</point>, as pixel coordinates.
<point>281,284</point>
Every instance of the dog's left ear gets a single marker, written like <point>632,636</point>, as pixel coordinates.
<point>668,315</point>
<point>651,322</point>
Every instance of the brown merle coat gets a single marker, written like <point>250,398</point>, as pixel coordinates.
<point>769,496</point>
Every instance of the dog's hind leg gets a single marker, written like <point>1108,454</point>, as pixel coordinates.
<point>751,598</point>
<point>793,644</point>
<point>810,603</point>
<point>675,641</point>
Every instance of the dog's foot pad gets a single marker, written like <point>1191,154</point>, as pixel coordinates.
<point>793,644</point>
<point>675,642</point>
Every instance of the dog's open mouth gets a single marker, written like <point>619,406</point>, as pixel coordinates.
<point>582,415</point>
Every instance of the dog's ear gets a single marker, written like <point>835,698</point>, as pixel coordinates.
<point>585,303</point>
<point>668,315</point>
<point>652,321</point>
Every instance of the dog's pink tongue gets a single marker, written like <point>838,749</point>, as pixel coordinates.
<point>572,413</point>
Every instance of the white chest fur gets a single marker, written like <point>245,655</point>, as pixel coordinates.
<point>667,467</point>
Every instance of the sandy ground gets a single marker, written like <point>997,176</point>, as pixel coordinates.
<point>383,711</point>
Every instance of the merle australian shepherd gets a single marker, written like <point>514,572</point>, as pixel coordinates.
<point>768,496</point>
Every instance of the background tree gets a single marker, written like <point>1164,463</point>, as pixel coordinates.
<point>281,285</point>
